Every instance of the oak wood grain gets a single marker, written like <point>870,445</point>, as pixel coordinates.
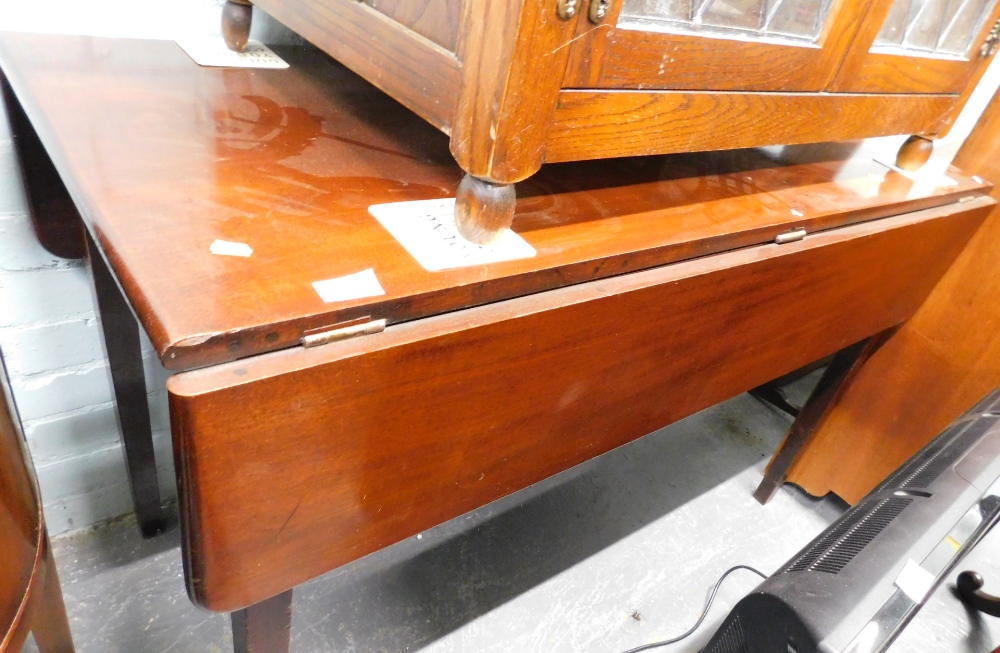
<point>293,463</point>
<point>592,124</point>
<point>508,90</point>
<point>884,71</point>
<point>937,366</point>
<point>437,20</point>
<point>416,71</point>
<point>289,161</point>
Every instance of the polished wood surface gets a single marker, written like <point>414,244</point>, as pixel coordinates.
<point>599,124</point>
<point>293,463</point>
<point>938,365</point>
<point>288,161</point>
<point>30,598</point>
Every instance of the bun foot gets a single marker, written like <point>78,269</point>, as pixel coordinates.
<point>914,152</point>
<point>483,209</point>
<point>236,18</point>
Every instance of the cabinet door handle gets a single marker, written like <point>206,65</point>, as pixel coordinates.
<point>990,44</point>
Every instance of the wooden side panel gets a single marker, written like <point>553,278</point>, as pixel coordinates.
<point>293,463</point>
<point>602,124</point>
<point>414,70</point>
<point>436,20</point>
<point>933,369</point>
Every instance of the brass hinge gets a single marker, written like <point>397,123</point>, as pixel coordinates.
<point>990,44</point>
<point>342,331</point>
<point>790,236</point>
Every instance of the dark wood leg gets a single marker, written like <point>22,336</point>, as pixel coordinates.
<point>56,221</point>
<point>121,340</point>
<point>237,16</point>
<point>483,209</point>
<point>264,627</point>
<point>49,624</point>
<point>914,153</point>
<point>835,379</point>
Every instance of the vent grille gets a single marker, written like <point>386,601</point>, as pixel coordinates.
<point>848,538</point>
<point>731,640</point>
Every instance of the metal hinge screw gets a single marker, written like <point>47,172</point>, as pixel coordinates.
<point>599,10</point>
<point>990,44</point>
<point>567,8</point>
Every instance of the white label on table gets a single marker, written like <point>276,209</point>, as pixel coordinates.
<point>915,581</point>
<point>214,52</point>
<point>426,228</point>
<point>228,248</point>
<point>353,286</point>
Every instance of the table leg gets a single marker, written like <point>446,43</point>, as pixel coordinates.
<point>121,340</point>
<point>824,398</point>
<point>56,221</point>
<point>264,627</point>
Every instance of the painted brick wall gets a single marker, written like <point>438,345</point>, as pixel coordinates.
<point>48,330</point>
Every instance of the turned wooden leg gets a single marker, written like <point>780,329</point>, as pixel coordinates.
<point>483,209</point>
<point>236,18</point>
<point>914,152</point>
<point>264,627</point>
<point>54,217</point>
<point>49,624</point>
<point>824,397</point>
<point>121,340</point>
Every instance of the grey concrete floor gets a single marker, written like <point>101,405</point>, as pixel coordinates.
<point>617,552</point>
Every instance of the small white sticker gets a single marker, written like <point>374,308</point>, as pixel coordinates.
<point>215,53</point>
<point>227,248</point>
<point>915,581</point>
<point>353,286</point>
<point>426,228</point>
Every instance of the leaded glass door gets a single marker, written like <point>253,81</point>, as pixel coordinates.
<point>718,45</point>
<point>920,46</point>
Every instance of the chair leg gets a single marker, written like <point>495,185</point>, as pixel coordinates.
<point>49,623</point>
<point>823,399</point>
<point>264,627</point>
<point>121,340</point>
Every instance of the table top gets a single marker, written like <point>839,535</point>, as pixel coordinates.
<point>163,156</point>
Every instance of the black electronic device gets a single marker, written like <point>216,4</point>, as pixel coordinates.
<point>855,586</point>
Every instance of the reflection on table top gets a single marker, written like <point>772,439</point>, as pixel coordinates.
<point>162,157</point>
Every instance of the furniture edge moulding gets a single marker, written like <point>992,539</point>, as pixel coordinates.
<point>415,71</point>
<point>662,122</point>
<point>242,553</point>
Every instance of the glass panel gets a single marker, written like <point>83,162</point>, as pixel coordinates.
<point>940,27</point>
<point>800,20</point>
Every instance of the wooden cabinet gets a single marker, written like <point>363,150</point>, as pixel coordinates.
<point>519,83</point>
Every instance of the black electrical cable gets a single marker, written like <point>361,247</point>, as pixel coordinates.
<point>704,613</point>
